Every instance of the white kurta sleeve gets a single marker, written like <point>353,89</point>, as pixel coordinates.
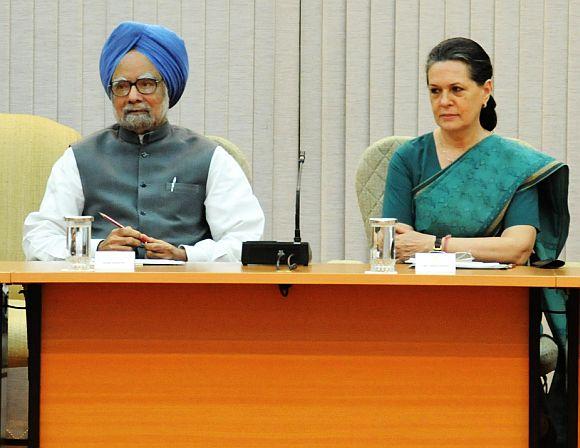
<point>232,211</point>
<point>44,233</point>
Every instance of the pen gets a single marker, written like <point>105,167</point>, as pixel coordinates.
<point>173,184</point>
<point>118,224</point>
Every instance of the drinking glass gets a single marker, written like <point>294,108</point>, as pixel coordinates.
<point>78,241</point>
<point>382,254</point>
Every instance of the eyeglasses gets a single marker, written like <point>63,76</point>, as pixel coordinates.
<point>145,86</point>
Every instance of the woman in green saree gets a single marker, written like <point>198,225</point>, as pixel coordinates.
<point>463,188</point>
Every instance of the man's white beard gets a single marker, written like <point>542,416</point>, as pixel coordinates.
<point>142,122</point>
<point>139,123</point>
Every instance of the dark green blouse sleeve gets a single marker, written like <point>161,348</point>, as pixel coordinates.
<point>398,200</point>
<point>524,209</point>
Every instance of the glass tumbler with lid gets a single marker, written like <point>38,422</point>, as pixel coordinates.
<point>78,241</point>
<point>382,253</point>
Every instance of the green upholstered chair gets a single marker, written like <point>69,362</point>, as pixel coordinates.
<point>370,178</point>
<point>29,146</point>
<point>371,175</point>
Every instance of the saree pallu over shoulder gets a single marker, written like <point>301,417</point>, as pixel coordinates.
<point>469,198</point>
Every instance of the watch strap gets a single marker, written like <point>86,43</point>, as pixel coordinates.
<point>437,247</point>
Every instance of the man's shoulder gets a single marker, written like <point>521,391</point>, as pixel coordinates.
<point>92,140</point>
<point>189,136</point>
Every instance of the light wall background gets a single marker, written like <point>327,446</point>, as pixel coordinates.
<point>353,75</point>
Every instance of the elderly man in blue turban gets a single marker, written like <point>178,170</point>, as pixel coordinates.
<point>177,194</point>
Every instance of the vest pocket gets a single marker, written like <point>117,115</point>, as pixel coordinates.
<point>185,204</point>
<point>180,187</point>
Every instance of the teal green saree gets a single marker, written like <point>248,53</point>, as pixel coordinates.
<point>497,184</point>
<point>470,197</point>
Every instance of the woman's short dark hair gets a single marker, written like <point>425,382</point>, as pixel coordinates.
<point>480,69</point>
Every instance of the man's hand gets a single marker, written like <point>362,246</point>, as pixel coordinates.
<point>161,249</point>
<point>125,239</point>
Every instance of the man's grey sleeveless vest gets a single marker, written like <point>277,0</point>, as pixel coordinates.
<point>133,182</point>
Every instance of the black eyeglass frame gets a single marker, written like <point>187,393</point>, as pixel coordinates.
<point>131,84</point>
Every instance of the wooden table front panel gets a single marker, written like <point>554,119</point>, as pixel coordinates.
<point>240,366</point>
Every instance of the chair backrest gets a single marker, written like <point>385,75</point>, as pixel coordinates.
<point>235,152</point>
<point>371,175</point>
<point>29,146</point>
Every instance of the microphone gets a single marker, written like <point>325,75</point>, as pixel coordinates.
<point>278,252</point>
<point>301,158</point>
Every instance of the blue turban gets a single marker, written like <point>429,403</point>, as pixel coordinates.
<point>165,49</point>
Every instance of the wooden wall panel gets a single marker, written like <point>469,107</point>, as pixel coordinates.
<point>5,87</point>
<point>555,78</point>
<point>572,129</point>
<point>286,73</point>
<point>406,61</point>
<point>506,65</point>
<point>311,118</point>
<point>358,19</point>
<point>382,69</point>
<point>193,29</point>
<point>95,104</point>
<point>241,75</point>
<point>431,31</point>
<point>332,132</point>
<point>217,66</point>
<point>482,20</point>
<point>264,88</point>
<point>21,39</point>
<point>45,65</point>
<point>144,11</point>
<point>531,73</point>
<point>70,64</point>
<point>457,17</point>
<point>169,14</point>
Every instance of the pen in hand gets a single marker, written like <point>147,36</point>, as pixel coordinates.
<point>116,223</point>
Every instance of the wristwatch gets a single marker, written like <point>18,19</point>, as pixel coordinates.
<point>437,246</point>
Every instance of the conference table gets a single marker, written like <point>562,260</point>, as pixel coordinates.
<point>224,355</point>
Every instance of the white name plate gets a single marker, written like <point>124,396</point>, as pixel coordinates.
<point>435,263</point>
<point>111,261</point>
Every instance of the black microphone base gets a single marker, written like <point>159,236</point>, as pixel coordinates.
<point>266,252</point>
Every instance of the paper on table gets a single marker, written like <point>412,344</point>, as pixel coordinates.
<point>474,264</point>
<point>142,261</point>
<point>482,265</point>
<point>459,256</point>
